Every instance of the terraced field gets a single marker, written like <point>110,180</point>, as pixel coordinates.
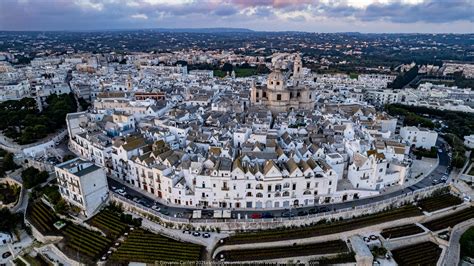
<point>400,231</point>
<point>439,202</point>
<point>41,217</point>
<point>323,229</point>
<point>84,242</point>
<point>144,246</point>
<point>450,220</point>
<point>109,223</point>
<point>330,247</point>
<point>426,253</point>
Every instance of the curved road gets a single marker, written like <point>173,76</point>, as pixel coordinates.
<point>437,173</point>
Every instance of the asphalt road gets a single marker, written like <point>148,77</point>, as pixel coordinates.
<point>176,211</point>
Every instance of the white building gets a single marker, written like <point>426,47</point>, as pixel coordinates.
<point>420,137</point>
<point>374,172</point>
<point>469,141</point>
<point>82,184</point>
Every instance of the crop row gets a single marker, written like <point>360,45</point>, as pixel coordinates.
<point>323,229</point>
<point>109,223</point>
<point>42,217</point>
<point>439,202</point>
<point>450,220</point>
<point>143,246</point>
<point>426,253</point>
<point>330,247</point>
<point>85,241</point>
<point>399,231</point>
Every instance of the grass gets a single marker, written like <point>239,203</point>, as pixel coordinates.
<point>400,231</point>
<point>323,229</point>
<point>426,253</point>
<point>439,202</point>
<point>146,247</point>
<point>330,247</point>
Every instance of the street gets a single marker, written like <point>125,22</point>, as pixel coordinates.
<point>178,211</point>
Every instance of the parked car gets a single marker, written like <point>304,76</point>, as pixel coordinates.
<point>288,214</point>
<point>186,232</point>
<point>196,234</point>
<point>303,213</point>
<point>206,235</point>
<point>323,209</point>
<point>267,215</point>
<point>256,216</point>
<point>121,192</point>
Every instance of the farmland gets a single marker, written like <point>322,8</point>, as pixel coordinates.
<point>78,239</point>
<point>330,247</point>
<point>399,231</point>
<point>144,246</point>
<point>439,202</point>
<point>109,223</point>
<point>450,220</point>
<point>42,217</point>
<point>323,229</point>
<point>426,253</point>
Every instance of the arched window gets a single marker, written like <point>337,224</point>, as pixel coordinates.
<point>259,195</point>
<point>278,194</point>
<point>286,185</point>
<point>249,194</point>
<point>286,194</point>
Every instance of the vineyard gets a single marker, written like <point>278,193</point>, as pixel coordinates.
<point>330,247</point>
<point>426,253</point>
<point>88,243</point>
<point>450,220</point>
<point>323,229</point>
<point>109,223</point>
<point>399,231</point>
<point>144,246</point>
<point>41,217</point>
<point>439,202</point>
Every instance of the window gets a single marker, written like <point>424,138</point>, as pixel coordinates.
<point>259,195</point>
<point>294,186</point>
<point>308,185</point>
<point>264,94</point>
<point>257,94</point>
<point>278,97</point>
<point>278,83</point>
<point>286,194</point>
<point>269,188</point>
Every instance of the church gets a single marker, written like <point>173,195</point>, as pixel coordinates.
<point>282,93</point>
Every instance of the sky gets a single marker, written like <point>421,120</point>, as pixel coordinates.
<point>418,16</point>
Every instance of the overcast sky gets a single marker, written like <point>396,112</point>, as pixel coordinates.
<point>447,16</point>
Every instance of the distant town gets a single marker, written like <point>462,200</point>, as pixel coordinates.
<point>235,146</point>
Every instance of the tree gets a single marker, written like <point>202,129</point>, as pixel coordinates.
<point>8,220</point>
<point>227,67</point>
<point>32,177</point>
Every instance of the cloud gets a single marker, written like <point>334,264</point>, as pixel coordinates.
<point>325,15</point>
